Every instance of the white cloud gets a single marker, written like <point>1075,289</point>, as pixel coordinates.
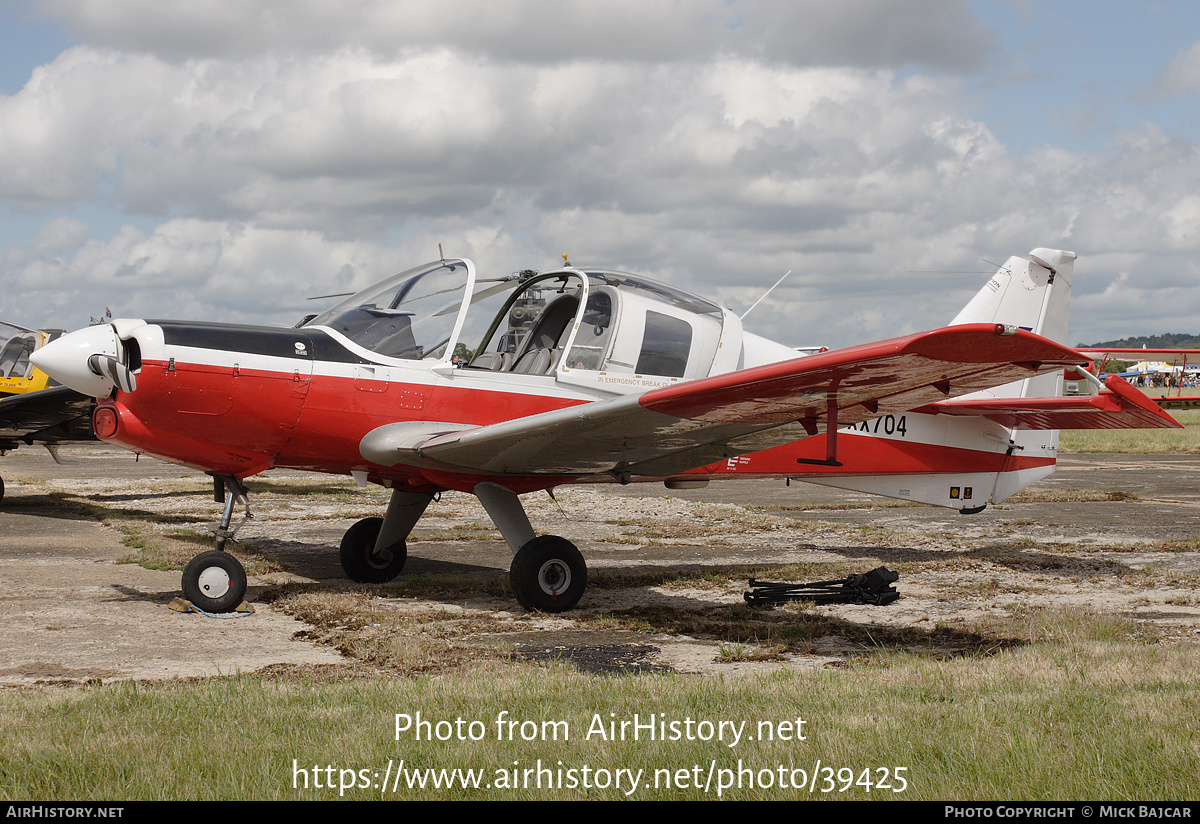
<point>1182,74</point>
<point>929,33</point>
<point>270,156</point>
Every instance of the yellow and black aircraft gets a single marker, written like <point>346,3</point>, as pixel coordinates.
<point>34,408</point>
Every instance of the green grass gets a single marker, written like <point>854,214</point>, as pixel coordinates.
<point>1085,713</point>
<point>1025,703</point>
<point>1150,441</point>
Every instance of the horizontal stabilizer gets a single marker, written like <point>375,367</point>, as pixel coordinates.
<point>1120,406</point>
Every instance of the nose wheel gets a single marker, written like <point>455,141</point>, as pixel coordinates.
<point>214,581</point>
<point>548,574</point>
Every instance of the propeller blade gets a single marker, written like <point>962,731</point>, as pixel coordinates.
<point>117,372</point>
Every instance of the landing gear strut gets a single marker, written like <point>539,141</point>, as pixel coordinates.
<point>215,581</point>
<point>548,573</point>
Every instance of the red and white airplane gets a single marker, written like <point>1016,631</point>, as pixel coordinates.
<point>581,375</point>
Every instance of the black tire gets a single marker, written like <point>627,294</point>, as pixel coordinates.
<point>548,574</point>
<point>1,489</point>
<point>362,563</point>
<point>215,582</point>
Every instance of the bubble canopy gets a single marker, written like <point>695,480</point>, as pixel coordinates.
<point>528,323</point>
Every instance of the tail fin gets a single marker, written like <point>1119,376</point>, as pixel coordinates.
<point>1032,293</point>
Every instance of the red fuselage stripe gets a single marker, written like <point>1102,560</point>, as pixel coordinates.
<point>240,421</point>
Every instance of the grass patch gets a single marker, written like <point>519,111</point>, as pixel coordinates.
<point>1184,441</point>
<point>1068,717</point>
<point>734,653</point>
<point>1052,495</point>
<point>460,532</point>
<point>401,638</point>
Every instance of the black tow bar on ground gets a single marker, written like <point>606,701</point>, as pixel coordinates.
<point>874,587</point>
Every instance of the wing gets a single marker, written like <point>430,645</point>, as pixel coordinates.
<point>669,430</point>
<point>1120,406</point>
<point>47,416</point>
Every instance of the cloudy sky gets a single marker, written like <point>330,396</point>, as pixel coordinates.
<point>226,159</point>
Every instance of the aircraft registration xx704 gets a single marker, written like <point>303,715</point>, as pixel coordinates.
<point>580,375</point>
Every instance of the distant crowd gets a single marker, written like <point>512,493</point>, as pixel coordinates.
<point>1160,381</point>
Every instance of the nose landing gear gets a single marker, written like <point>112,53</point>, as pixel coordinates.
<point>215,581</point>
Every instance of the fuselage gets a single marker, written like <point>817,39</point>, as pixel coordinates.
<point>238,400</point>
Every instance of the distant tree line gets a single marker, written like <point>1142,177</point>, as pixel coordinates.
<point>1173,340</point>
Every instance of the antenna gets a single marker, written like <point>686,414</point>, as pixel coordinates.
<point>760,300</point>
<point>441,254</point>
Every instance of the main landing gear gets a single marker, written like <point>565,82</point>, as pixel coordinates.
<point>548,573</point>
<point>215,581</point>
<point>373,550</point>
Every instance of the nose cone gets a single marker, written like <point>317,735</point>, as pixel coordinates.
<point>67,360</point>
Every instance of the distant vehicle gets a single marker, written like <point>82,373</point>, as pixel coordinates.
<point>33,407</point>
<point>581,375</point>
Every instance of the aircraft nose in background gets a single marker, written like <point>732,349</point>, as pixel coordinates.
<point>66,359</point>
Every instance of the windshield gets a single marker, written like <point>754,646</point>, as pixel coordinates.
<point>411,316</point>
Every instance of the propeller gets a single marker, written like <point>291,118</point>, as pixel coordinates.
<point>106,366</point>
<point>89,360</point>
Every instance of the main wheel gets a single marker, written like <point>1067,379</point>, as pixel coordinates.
<point>362,563</point>
<point>548,574</point>
<point>214,581</point>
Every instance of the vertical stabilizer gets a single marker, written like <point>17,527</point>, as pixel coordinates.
<point>1032,293</point>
